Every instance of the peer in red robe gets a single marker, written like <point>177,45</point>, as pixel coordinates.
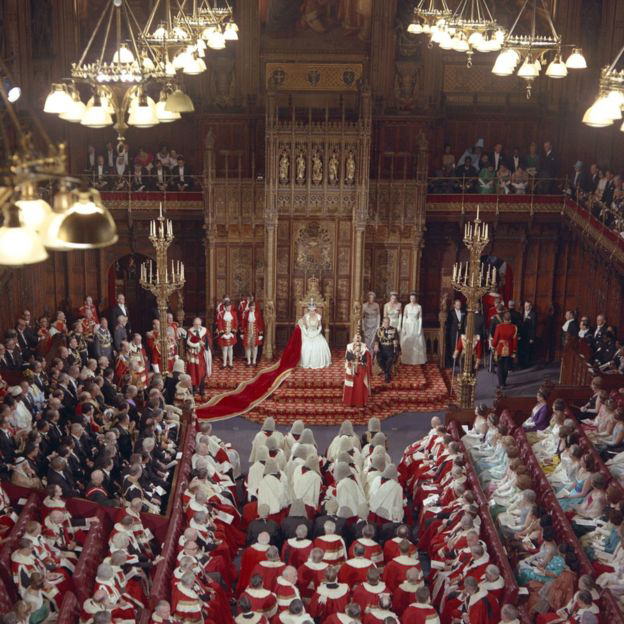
<point>481,607</point>
<point>355,570</point>
<point>396,570</point>
<point>262,600</point>
<point>367,594</point>
<point>420,611</point>
<point>296,551</point>
<point>270,569</point>
<point>89,308</point>
<point>329,597</point>
<point>196,353</point>
<point>406,593</point>
<point>227,326</point>
<point>358,374</point>
<point>311,573</point>
<point>252,555</point>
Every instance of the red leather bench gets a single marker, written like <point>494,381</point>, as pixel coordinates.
<point>69,613</point>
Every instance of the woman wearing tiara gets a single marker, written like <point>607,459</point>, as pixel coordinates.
<point>371,319</point>
<point>392,309</point>
<point>315,351</point>
<point>413,346</point>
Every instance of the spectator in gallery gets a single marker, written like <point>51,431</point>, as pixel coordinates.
<point>91,158</point>
<point>466,175</point>
<point>160,180</point>
<point>519,181</point>
<point>516,161</point>
<point>504,179</point>
<point>100,174</point>
<point>533,160</point>
<point>549,170</point>
<point>139,178</point>
<point>473,152</point>
<point>487,180</point>
<point>498,157</point>
<point>448,158</point>
<point>181,176</point>
<point>144,159</point>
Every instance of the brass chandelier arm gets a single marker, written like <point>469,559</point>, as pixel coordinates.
<point>94,33</point>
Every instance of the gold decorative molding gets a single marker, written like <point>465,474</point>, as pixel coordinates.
<point>313,76</point>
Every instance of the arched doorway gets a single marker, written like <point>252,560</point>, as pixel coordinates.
<point>123,277</point>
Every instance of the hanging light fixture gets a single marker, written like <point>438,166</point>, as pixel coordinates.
<point>430,16</point>
<point>29,222</point>
<point>471,28</point>
<point>213,22</point>
<point>530,50</point>
<point>607,107</point>
<point>134,65</point>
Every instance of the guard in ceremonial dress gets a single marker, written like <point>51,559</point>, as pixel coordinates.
<point>505,344</point>
<point>253,331</point>
<point>227,325</point>
<point>358,373</point>
<point>386,347</point>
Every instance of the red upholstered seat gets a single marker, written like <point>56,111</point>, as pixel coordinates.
<point>93,551</point>
<point>70,609</point>
<point>5,600</point>
<point>29,512</point>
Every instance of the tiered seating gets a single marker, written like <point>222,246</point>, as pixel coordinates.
<point>610,611</point>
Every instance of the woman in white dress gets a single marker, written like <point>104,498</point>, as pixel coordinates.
<point>315,351</point>
<point>413,345</point>
<point>371,319</point>
<point>392,309</point>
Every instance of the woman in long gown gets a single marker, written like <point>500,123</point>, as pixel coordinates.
<point>315,351</point>
<point>371,319</point>
<point>413,346</point>
<point>392,309</point>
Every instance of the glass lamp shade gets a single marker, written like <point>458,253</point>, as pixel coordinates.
<point>426,29</point>
<point>160,33</point>
<point>201,47</point>
<point>63,201</point>
<point>179,102</point>
<point>104,102</point>
<point>459,45</point>
<point>598,114</point>
<point>180,34</point>
<point>148,64</point>
<point>231,32</point>
<point>446,41</point>
<point>165,116</point>
<point>170,69</point>
<point>96,117</point>
<point>87,224</point>
<point>557,69</point>
<point>181,59</point>
<point>437,35</point>
<point>528,70</point>
<point>19,244</point>
<point>475,39</point>
<point>58,100</point>
<point>33,210</point>
<point>123,56</point>
<point>75,112</point>
<point>143,115</point>
<point>414,29</point>
<point>504,65</point>
<point>194,66</point>
<point>576,60</point>
<point>207,32</point>
<point>216,41</point>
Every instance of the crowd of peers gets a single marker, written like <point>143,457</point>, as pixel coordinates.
<point>117,169</point>
<point>601,190</point>
<point>497,171</point>
<point>335,536</point>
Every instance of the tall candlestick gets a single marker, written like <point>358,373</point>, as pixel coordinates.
<point>494,276</point>
<point>161,210</point>
<point>478,207</point>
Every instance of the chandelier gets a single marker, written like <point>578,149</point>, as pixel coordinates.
<point>77,218</point>
<point>607,108</point>
<point>532,51</point>
<point>119,87</point>
<point>470,28</point>
<point>213,22</point>
<point>429,17</point>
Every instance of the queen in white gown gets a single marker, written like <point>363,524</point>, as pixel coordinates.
<point>413,345</point>
<point>315,351</point>
<point>392,309</point>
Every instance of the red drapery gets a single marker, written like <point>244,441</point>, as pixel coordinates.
<point>251,393</point>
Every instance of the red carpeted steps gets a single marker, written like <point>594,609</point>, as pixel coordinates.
<point>316,395</point>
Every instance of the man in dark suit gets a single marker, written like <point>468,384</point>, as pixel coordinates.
<point>26,341</point>
<point>92,159</point>
<point>516,316</point>
<point>516,161</point>
<point>8,446</point>
<point>609,189</point>
<point>579,180</point>
<point>593,178</point>
<point>159,180</point>
<point>262,524</point>
<point>467,174</point>
<point>101,175</point>
<point>498,157</point>
<point>120,309</point>
<point>331,514</point>
<point>12,355</point>
<point>58,475</point>
<point>181,176</point>
<point>549,169</point>
<point>601,327</point>
<point>526,334</point>
<point>455,327</point>
<point>479,322</point>
<point>120,333</point>
<point>570,327</point>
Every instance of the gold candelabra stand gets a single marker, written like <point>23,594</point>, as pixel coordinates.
<point>162,283</point>
<point>470,280</point>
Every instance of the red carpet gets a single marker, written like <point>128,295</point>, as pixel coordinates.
<point>253,391</point>
<point>316,395</point>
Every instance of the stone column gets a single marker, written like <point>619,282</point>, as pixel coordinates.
<point>417,247</point>
<point>210,228</point>
<point>359,232</point>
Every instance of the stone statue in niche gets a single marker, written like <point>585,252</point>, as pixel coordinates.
<point>350,168</point>
<point>407,79</point>
<point>332,168</point>
<point>317,168</point>
<point>301,168</point>
<point>284,167</point>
